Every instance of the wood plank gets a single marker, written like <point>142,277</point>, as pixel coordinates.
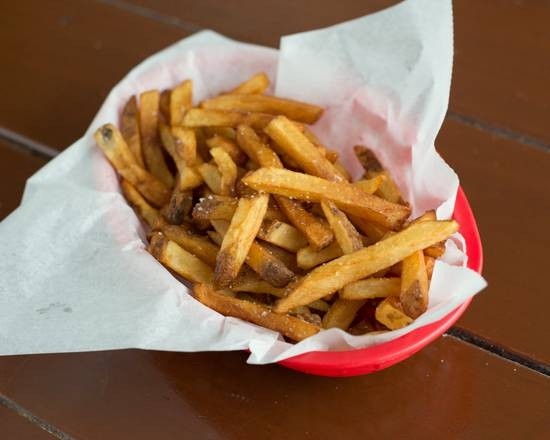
<point>507,185</point>
<point>14,426</point>
<point>59,62</point>
<point>500,71</point>
<point>16,167</point>
<point>462,391</point>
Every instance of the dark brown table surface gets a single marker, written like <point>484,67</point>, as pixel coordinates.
<point>487,378</point>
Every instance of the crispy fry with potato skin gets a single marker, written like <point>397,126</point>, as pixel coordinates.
<point>372,288</point>
<point>345,233</point>
<point>203,117</point>
<point>192,242</point>
<point>179,206</point>
<point>342,313</point>
<point>129,127</point>
<point>150,142</point>
<point>239,237</point>
<point>110,140</point>
<point>294,143</point>
<point>256,84</point>
<point>179,260</point>
<point>317,233</point>
<point>298,111</point>
<point>289,326</point>
<point>336,274</point>
<point>227,169</point>
<point>215,208</point>
<point>211,177</point>
<point>268,266</point>
<point>150,215</point>
<point>346,196</point>
<point>414,285</point>
<point>390,313</point>
<point>181,100</point>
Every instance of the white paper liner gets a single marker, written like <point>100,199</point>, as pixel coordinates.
<point>75,275</point>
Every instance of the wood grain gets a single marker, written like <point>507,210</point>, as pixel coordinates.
<point>15,426</point>
<point>456,390</point>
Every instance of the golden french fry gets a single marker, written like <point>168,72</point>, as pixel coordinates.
<point>129,127</point>
<point>178,207</point>
<point>290,326</point>
<point>239,237</point>
<point>181,100</point>
<point>345,233</point>
<point>227,169</point>
<point>203,117</point>
<point>256,84</point>
<point>262,261</point>
<point>229,146</point>
<point>346,196</point>
<point>388,189</point>
<point>414,285</point>
<point>151,216</point>
<point>185,144</point>
<point>197,245</point>
<point>110,140</point>
<point>298,111</point>
<point>336,274</point>
<point>164,107</point>
<point>225,132</point>
<point>430,263</point>
<point>390,313</point>
<point>309,257</point>
<point>438,249</point>
<point>316,233</point>
<point>150,143</point>
<point>215,208</point>
<point>179,260</point>
<point>373,231</point>
<point>282,234</point>
<point>211,177</point>
<point>294,143</point>
<point>370,185</point>
<point>286,257</point>
<point>342,313</point>
<point>372,288</point>
<point>329,154</point>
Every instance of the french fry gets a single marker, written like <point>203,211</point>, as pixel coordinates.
<point>185,144</point>
<point>331,155</point>
<point>294,143</point>
<point>150,215</point>
<point>239,237</point>
<point>181,100</point>
<point>215,208</point>
<point>129,127</point>
<point>110,140</point>
<point>282,234</point>
<point>150,143</point>
<point>204,117</point>
<point>373,168</point>
<point>309,257</point>
<point>286,257</point>
<point>224,132</point>
<point>345,195</point>
<point>373,231</point>
<point>316,233</point>
<point>289,326</point>
<point>178,207</point>
<point>197,245</point>
<point>256,84</point>
<point>227,169</point>
<point>211,177</point>
<point>229,146</point>
<point>390,313</point>
<point>372,288</point>
<point>414,285</point>
<point>179,260</point>
<point>438,249</point>
<point>263,262</point>
<point>298,111</point>
<point>342,313</point>
<point>164,107</point>
<point>345,233</point>
<point>336,274</point>
<point>430,263</point>
<point>370,185</point>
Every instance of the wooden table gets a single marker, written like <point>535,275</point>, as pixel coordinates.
<point>487,378</point>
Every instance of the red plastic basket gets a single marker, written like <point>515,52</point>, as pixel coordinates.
<point>371,359</point>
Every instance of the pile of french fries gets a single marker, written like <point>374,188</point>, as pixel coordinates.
<point>243,201</point>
